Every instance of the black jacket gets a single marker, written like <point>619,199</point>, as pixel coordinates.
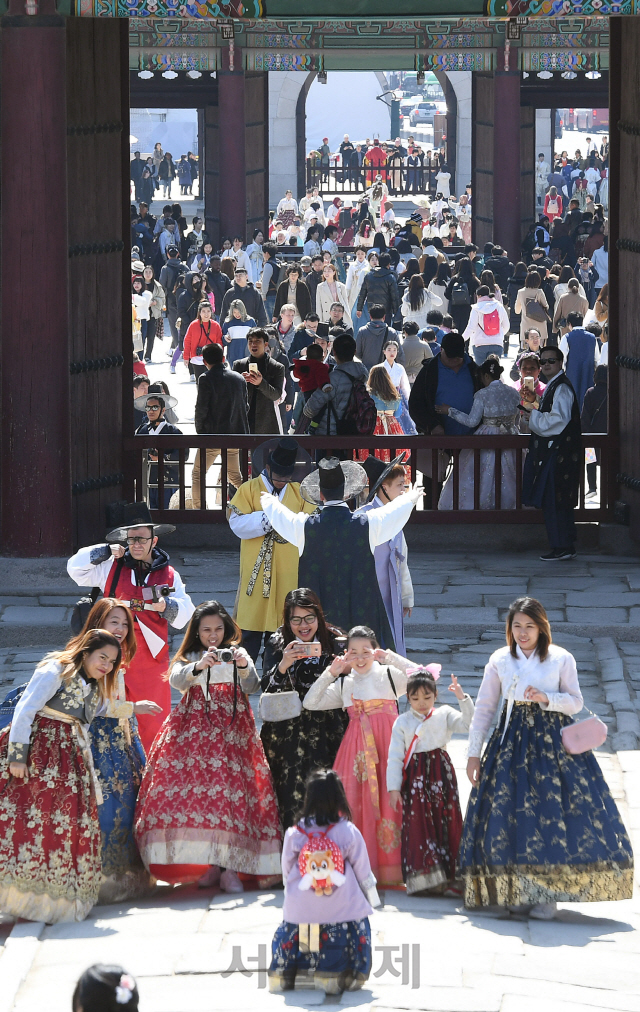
<point>262,398</point>
<point>302,339</point>
<point>222,404</point>
<point>168,277</point>
<point>502,270</point>
<point>422,399</point>
<point>594,406</point>
<point>303,298</point>
<point>312,280</point>
<point>188,305</point>
<point>251,299</point>
<point>380,288</point>
<point>219,283</point>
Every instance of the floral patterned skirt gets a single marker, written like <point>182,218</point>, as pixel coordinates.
<point>207,796</point>
<point>296,747</point>
<point>119,761</point>
<point>362,764</point>
<point>342,963</point>
<point>431,821</point>
<point>541,825</point>
<point>49,831</point>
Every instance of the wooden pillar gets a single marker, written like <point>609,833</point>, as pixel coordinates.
<point>36,475</point>
<point>232,183</point>
<point>482,157</point>
<point>624,262</point>
<point>506,154</point>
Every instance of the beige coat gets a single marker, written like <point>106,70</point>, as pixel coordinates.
<point>325,300</point>
<point>526,323</point>
<point>569,303</point>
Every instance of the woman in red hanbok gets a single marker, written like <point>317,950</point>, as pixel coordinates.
<point>207,801</point>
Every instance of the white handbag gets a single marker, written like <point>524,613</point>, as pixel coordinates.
<point>275,706</point>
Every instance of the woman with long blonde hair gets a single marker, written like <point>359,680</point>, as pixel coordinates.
<point>118,757</point>
<point>388,401</point>
<point>50,867</point>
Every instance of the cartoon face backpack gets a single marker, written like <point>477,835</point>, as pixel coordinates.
<point>321,865</point>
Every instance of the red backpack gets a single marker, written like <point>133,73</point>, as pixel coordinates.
<point>491,323</point>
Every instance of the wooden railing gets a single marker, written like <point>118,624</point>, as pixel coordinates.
<point>400,179</point>
<point>427,453</point>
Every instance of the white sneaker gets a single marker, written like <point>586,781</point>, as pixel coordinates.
<point>230,883</point>
<point>210,877</point>
<point>544,911</point>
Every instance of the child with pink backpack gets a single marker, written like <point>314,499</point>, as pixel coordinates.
<point>324,941</point>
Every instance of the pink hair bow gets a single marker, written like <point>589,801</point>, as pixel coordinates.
<point>431,669</point>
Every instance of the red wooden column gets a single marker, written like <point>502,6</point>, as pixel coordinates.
<point>34,355</point>
<point>506,154</point>
<point>231,138</point>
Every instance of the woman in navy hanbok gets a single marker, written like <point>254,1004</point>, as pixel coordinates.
<point>541,825</point>
<point>119,759</point>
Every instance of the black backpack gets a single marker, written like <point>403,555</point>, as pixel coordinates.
<point>360,416</point>
<point>460,294</point>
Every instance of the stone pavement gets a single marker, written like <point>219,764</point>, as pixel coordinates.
<point>430,953</point>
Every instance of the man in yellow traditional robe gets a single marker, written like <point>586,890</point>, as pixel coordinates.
<point>268,564</point>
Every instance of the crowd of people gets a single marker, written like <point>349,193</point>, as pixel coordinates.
<point>411,316</point>
<point>406,168</point>
<point>105,789</point>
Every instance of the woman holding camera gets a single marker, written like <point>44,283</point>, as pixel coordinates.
<point>296,743</point>
<point>206,808</point>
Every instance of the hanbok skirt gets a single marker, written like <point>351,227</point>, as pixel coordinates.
<point>207,796</point>
<point>386,425</point>
<point>296,747</point>
<point>362,764</point>
<point>404,418</point>
<point>342,962</point>
<point>487,472</point>
<point>118,758</point>
<point>50,867</point>
<point>431,821</point>
<point>541,825</point>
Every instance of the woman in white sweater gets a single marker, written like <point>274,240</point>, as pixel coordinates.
<point>541,825</point>
<point>418,302</point>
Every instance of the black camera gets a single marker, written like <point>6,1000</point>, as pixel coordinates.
<point>225,656</point>
<point>151,595</point>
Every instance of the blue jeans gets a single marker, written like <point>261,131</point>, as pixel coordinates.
<point>364,319</point>
<point>270,305</point>
<point>481,352</point>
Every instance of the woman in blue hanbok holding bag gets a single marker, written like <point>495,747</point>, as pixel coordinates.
<point>119,759</point>
<point>541,825</point>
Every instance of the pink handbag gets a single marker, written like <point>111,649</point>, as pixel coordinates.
<point>584,735</point>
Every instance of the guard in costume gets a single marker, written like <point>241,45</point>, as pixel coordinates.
<point>129,574</point>
<point>268,564</point>
<point>336,547</point>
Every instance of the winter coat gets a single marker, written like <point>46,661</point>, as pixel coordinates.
<point>379,288</point>
<point>514,285</point>
<point>569,303</point>
<point>594,407</point>
<point>336,399</point>
<point>187,305</point>
<point>325,300</point>
<point>475,333</point>
<point>415,353</point>
<point>251,299</point>
<point>157,299</point>
<point>302,300</point>
<point>526,322</point>
<point>502,270</point>
<point>370,341</point>
<point>222,404</point>
<point>219,284</point>
<point>184,172</point>
<point>168,277</point>
<point>423,394</point>
<point>431,301</point>
<point>263,417</point>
